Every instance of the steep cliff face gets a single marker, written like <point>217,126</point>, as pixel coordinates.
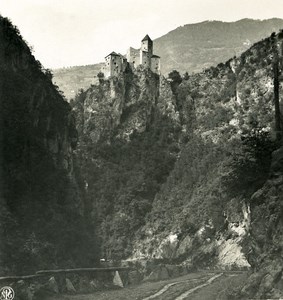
<point>264,249</point>
<point>202,213</point>
<point>39,192</point>
<point>130,129</point>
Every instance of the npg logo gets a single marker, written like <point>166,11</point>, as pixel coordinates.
<point>7,293</point>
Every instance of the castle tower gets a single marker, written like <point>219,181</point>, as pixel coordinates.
<point>146,51</point>
<point>113,64</point>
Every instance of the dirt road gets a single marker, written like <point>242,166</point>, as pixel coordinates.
<point>195,286</point>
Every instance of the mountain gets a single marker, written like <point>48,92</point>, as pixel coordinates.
<point>190,48</point>
<point>194,47</point>
<point>70,80</point>
<point>179,172</point>
<point>43,224</point>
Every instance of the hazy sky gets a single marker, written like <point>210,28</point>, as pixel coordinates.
<point>78,32</point>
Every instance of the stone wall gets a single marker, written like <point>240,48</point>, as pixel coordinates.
<point>155,64</point>
<point>133,57</point>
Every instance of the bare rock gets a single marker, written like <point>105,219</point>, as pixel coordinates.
<point>52,285</point>
<point>117,280</point>
<point>70,287</point>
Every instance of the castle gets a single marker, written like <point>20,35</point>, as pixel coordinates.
<point>116,63</point>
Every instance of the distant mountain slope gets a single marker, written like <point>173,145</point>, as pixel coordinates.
<point>72,79</point>
<point>194,47</point>
<point>191,48</point>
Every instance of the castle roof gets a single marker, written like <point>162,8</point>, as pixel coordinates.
<point>112,54</point>
<point>146,38</point>
<point>122,56</point>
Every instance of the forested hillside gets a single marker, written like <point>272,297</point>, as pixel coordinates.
<point>42,205</point>
<point>171,165</point>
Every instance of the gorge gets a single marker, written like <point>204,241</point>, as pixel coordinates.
<point>142,168</point>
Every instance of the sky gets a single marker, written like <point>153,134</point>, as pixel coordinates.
<point>78,32</point>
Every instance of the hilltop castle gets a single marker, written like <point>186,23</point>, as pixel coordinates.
<point>116,63</point>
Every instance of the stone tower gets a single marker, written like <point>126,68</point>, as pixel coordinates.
<point>114,64</point>
<point>146,51</point>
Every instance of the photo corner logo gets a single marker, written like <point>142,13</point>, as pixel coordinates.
<point>7,293</point>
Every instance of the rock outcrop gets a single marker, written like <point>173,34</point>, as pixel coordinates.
<point>264,249</point>
<point>129,128</point>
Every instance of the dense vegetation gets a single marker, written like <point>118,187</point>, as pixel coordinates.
<point>166,157</point>
<point>42,223</point>
<point>123,175</point>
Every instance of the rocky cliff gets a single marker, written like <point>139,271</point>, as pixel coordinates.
<point>170,172</point>
<point>202,212</point>
<point>42,205</point>
<point>264,247</point>
<point>129,128</point>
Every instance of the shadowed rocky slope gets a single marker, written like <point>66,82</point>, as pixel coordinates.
<point>41,203</point>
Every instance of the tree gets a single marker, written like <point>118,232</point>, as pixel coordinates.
<point>276,85</point>
<point>100,77</point>
<point>175,80</point>
<point>186,76</point>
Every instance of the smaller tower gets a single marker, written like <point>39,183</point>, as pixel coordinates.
<point>146,51</point>
<point>113,64</point>
<point>147,44</point>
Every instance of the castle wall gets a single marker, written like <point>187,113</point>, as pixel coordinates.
<point>114,64</point>
<point>124,63</point>
<point>155,64</point>
<point>133,57</point>
<point>145,59</point>
<point>106,68</point>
